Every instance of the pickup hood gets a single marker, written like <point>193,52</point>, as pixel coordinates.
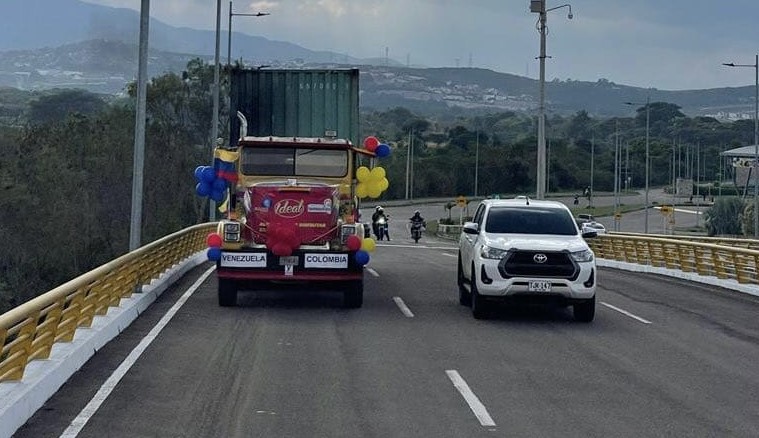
<point>309,210</point>
<point>536,242</point>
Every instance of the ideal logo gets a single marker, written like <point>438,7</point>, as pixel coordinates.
<point>288,208</point>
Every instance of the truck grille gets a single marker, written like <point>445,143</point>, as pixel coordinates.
<point>519,263</point>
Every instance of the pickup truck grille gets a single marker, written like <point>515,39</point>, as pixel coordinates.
<point>518,263</point>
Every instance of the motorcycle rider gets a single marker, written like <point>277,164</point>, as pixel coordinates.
<point>417,218</point>
<point>417,223</point>
<point>379,212</point>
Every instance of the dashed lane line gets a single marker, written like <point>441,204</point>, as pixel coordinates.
<point>474,403</point>
<point>626,313</point>
<point>404,308</point>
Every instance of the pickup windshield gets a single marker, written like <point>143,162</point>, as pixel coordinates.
<point>533,220</point>
<point>294,162</point>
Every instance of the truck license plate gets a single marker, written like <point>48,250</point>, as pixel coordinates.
<point>539,286</point>
<point>288,261</point>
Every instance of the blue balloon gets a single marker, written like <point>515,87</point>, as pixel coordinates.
<point>382,150</point>
<point>203,189</point>
<point>217,195</point>
<point>208,174</point>
<point>219,185</point>
<point>199,173</point>
<point>214,254</point>
<point>362,257</point>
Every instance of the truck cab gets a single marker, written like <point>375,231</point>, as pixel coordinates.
<point>291,212</point>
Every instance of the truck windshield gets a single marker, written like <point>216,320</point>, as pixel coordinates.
<point>534,220</point>
<point>294,162</point>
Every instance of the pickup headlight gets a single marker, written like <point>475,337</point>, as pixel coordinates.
<point>488,252</point>
<point>585,255</point>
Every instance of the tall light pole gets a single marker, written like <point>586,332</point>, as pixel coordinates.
<point>476,163</point>
<point>229,30</point>
<point>755,167</point>
<point>215,115</point>
<point>648,164</point>
<point>539,7</point>
<point>135,225</point>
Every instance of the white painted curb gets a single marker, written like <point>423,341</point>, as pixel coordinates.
<point>689,276</point>
<point>42,378</point>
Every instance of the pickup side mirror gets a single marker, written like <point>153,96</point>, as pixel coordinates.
<point>471,228</point>
<point>587,234</point>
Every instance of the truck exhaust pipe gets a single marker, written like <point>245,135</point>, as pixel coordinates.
<point>243,124</point>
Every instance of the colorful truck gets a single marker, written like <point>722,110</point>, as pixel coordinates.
<point>292,214</point>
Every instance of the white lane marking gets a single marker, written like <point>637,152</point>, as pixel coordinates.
<point>449,255</point>
<point>625,312</point>
<point>84,416</point>
<point>372,271</point>
<point>474,403</point>
<point>404,308</point>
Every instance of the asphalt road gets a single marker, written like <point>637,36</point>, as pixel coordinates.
<point>663,358</point>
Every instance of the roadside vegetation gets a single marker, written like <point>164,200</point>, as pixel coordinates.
<point>66,166</point>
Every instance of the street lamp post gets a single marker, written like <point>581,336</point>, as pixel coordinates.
<point>229,29</point>
<point>755,167</point>
<point>539,7</point>
<point>648,126</point>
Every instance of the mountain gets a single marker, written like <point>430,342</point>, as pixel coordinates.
<point>95,47</point>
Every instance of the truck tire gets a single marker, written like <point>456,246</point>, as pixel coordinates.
<point>585,311</point>
<point>353,296</point>
<point>227,292</point>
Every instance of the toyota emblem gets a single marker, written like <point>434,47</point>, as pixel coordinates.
<point>539,258</point>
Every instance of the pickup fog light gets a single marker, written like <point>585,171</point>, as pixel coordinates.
<point>585,255</point>
<point>492,253</point>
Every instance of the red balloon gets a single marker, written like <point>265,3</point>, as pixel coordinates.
<point>291,238</point>
<point>353,242</point>
<point>371,143</point>
<point>213,240</point>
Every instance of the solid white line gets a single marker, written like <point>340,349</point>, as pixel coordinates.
<point>372,271</point>
<point>415,246</point>
<point>404,309</point>
<point>84,416</point>
<point>625,312</point>
<point>449,255</point>
<point>474,403</point>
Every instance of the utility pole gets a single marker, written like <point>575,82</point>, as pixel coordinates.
<point>138,162</point>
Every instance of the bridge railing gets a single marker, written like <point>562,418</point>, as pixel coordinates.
<point>725,241</point>
<point>708,259</point>
<point>29,331</point>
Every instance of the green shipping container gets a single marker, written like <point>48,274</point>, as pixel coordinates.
<point>295,103</point>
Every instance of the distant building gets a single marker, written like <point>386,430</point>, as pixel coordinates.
<point>743,163</point>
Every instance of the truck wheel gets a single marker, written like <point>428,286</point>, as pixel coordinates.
<point>465,298</point>
<point>585,311</point>
<point>353,296</point>
<point>479,306</point>
<point>227,292</point>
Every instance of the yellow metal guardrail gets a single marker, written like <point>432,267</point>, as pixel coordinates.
<point>29,331</point>
<point>708,259</point>
<point>726,241</point>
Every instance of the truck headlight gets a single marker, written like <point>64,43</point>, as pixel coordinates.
<point>488,252</point>
<point>345,231</point>
<point>585,255</point>
<point>231,231</point>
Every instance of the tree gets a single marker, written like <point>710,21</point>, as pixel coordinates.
<point>724,217</point>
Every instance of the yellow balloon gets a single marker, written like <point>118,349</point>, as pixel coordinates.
<point>362,190</point>
<point>377,174</point>
<point>384,184</point>
<point>363,173</point>
<point>374,190</point>
<point>368,244</point>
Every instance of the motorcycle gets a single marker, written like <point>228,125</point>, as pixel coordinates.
<point>416,230</point>
<point>382,230</point>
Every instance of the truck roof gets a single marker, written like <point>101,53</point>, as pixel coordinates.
<point>302,142</point>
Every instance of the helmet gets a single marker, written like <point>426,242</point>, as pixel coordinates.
<point>416,212</point>
<point>378,208</point>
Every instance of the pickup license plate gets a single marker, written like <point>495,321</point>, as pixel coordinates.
<point>539,286</point>
<point>288,260</point>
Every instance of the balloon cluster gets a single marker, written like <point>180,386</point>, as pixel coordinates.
<point>371,183</point>
<point>362,247</point>
<point>209,184</point>
<point>214,247</point>
<point>372,144</point>
<point>281,239</point>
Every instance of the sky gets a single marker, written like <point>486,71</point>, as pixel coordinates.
<point>664,44</point>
